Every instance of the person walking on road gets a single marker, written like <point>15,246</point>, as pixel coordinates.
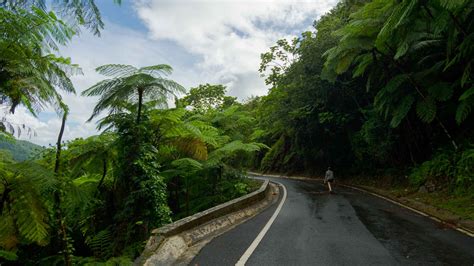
<point>329,178</point>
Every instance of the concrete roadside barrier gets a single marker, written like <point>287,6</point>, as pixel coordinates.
<point>167,243</point>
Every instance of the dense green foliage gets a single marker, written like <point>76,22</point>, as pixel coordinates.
<point>104,194</point>
<point>379,85</point>
<point>95,200</point>
<point>206,97</point>
<point>21,150</point>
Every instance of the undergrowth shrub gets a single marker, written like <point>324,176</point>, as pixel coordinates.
<point>454,169</point>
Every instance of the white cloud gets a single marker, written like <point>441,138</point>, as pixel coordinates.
<point>116,45</point>
<point>205,41</point>
<point>46,132</point>
<point>229,35</point>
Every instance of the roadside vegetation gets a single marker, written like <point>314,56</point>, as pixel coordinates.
<point>95,200</point>
<point>382,90</point>
<point>379,89</point>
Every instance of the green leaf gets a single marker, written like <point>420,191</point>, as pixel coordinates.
<point>464,109</point>
<point>441,91</point>
<point>452,4</point>
<point>466,75</point>
<point>402,50</point>
<point>426,109</point>
<point>402,110</point>
<point>8,255</point>
<point>468,93</point>
<point>344,62</point>
<point>363,62</point>
<point>395,82</point>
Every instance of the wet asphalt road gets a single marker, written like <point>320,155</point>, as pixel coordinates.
<point>348,228</point>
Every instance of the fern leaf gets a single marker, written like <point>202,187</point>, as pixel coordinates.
<point>395,82</point>
<point>363,62</point>
<point>464,109</point>
<point>466,75</point>
<point>8,236</point>
<point>101,244</point>
<point>467,94</point>
<point>426,109</point>
<point>8,255</point>
<point>402,50</point>
<point>402,110</point>
<point>453,4</point>
<point>441,91</point>
<point>345,62</point>
<point>116,70</point>
<point>187,164</point>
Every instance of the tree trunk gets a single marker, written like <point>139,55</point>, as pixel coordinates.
<point>187,198</point>
<point>177,191</point>
<point>6,191</point>
<point>140,103</point>
<point>58,144</point>
<point>104,173</point>
<point>62,233</point>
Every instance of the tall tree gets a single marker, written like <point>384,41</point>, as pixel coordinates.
<point>78,14</point>
<point>30,73</point>
<point>205,97</point>
<point>132,85</point>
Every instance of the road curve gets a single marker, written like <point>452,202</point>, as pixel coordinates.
<point>348,228</point>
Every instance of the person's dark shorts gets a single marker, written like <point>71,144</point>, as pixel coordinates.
<point>330,180</point>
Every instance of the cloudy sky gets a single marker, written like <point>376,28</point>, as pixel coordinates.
<point>205,41</point>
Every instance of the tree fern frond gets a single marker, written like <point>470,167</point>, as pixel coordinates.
<point>402,110</point>
<point>187,164</point>
<point>192,147</point>
<point>231,148</point>
<point>31,217</point>
<point>441,91</point>
<point>101,244</point>
<point>395,82</point>
<point>116,70</point>
<point>453,4</point>
<point>464,109</point>
<point>426,109</point>
<point>363,61</point>
<point>8,255</point>
<point>8,232</point>
<point>157,70</point>
<point>467,94</point>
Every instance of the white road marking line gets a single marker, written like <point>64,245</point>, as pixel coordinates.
<point>459,229</point>
<point>262,233</point>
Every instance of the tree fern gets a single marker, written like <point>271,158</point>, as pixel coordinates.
<point>137,85</point>
<point>231,148</point>
<point>77,13</point>
<point>187,164</point>
<point>32,74</point>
